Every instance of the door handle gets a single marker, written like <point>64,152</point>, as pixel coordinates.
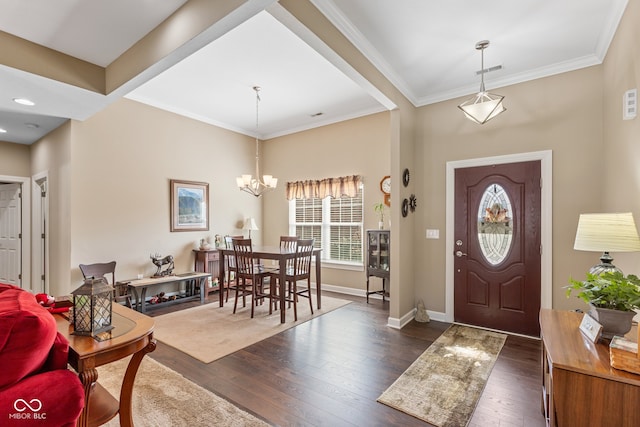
<point>460,254</point>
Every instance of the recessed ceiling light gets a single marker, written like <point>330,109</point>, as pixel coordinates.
<point>32,125</point>
<point>24,101</point>
<point>3,130</point>
<point>317,114</point>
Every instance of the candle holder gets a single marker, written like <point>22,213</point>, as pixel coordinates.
<point>92,307</point>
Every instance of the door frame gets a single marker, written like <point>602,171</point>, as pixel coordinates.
<point>25,201</point>
<point>40,257</point>
<point>546,210</point>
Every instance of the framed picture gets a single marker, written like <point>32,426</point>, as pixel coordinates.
<point>189,205</point>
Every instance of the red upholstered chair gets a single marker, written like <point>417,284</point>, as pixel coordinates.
<point>36,388</point>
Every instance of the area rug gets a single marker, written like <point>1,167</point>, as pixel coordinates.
<point>443,385</point>
<point>163,397</point>
<point>209,332</point>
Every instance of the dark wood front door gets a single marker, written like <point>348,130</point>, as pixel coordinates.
<point>497,247</point>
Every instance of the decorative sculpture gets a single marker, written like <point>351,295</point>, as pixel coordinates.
<point>421,312</point>
<point>159,262</point>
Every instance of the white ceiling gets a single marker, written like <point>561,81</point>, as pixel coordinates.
<point>424,47</point>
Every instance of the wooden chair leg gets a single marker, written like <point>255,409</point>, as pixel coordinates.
<point>235,303</point>
<point>309,293</point>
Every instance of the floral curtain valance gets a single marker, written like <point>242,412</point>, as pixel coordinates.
<point>334,187</point>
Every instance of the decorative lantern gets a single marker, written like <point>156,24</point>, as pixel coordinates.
<point>92,307</point>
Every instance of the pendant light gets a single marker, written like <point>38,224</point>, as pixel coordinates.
<point>246,182</point>
<point>483,106</point>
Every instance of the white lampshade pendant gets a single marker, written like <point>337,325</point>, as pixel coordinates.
<point>483,106</point>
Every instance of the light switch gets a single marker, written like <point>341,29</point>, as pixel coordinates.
<point>433,234</point>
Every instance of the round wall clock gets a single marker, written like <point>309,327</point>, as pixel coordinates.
<point>405,177</point>
<point>385,185</point>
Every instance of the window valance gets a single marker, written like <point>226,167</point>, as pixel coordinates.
<point>334,187</point>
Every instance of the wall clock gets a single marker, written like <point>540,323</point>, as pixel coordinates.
<point>405,177</point>
<point>385,187</point>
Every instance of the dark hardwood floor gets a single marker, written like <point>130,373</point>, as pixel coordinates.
<point>330,370</point>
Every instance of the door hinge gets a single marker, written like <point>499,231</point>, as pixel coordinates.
<point>540,249</point>
<point>19,194</point>
<point>42,277</point>
<point>20,276</point>
<point>19,235</point>
<point>43,236</point>
<point>43,194</point>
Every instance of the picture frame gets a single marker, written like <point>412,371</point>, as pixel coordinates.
<point>591,328</point>
<point>189,201</point>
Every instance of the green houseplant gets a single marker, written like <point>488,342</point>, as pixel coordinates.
<point>379,209</point>
<point>612,298</point>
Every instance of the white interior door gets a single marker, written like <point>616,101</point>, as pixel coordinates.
<point>10,234</point>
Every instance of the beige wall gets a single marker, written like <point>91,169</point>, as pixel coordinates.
<point>618,167</point>
<point>109,188</point>
<point>52,155</point>
<point>562,113</point>
<point>15,159</point>
<point>326,152</point>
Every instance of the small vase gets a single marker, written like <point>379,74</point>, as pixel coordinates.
<point>381,225</point>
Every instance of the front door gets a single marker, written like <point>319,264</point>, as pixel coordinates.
<point>497,247</point>
<point>10,234</point>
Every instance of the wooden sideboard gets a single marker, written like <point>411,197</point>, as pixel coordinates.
<point>208,261</point>
<point>579,387</point>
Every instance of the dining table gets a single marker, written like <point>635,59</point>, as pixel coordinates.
<point>281,256</point>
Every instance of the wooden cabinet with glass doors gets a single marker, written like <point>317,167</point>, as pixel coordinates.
<point>378,260</point>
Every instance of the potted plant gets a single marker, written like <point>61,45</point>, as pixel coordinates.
<point>612,298</point>
<point>379,208</point>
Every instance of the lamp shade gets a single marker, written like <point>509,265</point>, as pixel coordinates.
<point>250,224</point>
<point>607,232</point>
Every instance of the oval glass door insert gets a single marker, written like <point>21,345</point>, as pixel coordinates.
<point>495,224</point>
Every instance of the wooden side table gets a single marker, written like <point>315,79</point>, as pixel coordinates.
<point>579,386</point>
<point>132,335</point>
<point>208,261</point>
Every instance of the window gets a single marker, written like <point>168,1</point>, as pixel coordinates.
<point>335,224</point>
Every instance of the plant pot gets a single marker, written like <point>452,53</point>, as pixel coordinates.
<point>614,322</point>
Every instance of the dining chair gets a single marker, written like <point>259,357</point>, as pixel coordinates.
<point>230,267</point>
<point>102,270</point>
<point>300,270</point>
<point>287,244</point>
<point>249,276</point>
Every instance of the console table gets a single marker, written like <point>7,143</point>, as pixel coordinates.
<point>579,387</point>
<point>139,288</point>
<point>132,335</point>
<point>207,261</point>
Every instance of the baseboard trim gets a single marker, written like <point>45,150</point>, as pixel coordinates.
<point>392,322</point>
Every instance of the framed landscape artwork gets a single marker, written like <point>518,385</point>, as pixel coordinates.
<point>189,205</point>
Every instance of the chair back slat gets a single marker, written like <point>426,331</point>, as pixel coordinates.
<point>289,244</point>
<point>244,256</point>
<point>303,257</point>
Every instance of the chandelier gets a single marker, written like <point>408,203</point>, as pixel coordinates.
<point>483,106</point>
<point>246,182</point>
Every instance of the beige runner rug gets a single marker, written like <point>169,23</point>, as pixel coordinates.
<point>209,332</point>
<point>443,385</point>
<point>163,397</point>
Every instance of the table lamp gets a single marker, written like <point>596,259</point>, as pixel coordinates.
<point>250,224</point>
<point>606,232</point>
